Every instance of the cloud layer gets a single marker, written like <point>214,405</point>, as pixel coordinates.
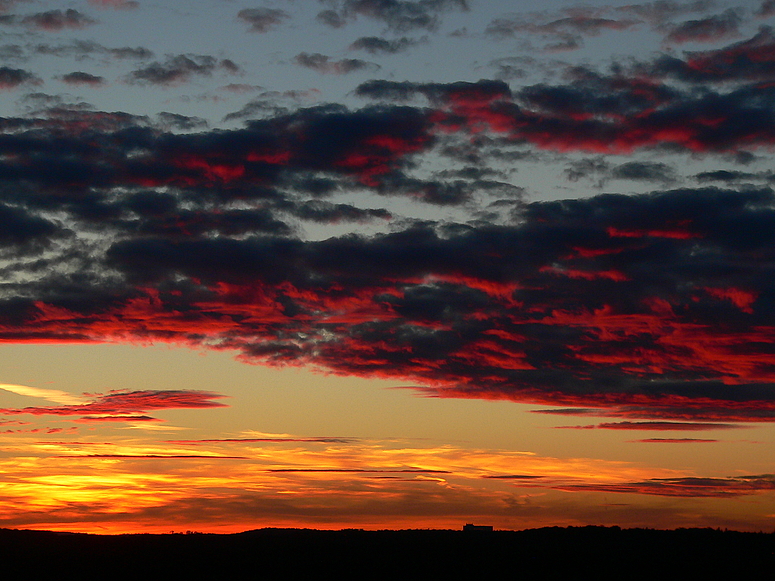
<point>656,305</point>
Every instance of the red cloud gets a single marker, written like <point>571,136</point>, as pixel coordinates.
<point>686,487</point>
<point>674,441</point>
<point>741,298</point>
<point>126,405</point>
<point>654,425</point>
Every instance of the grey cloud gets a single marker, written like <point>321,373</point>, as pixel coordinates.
<point>644,171</point>
<point>80,49</point>
<point>398,15</point>
<point>180,68</point>
<point>324,64</point>
<point>55,20</point>
<point>11,78</point>
<point>263,19</point>
<point>377,45</point>
<point>710,29</point>
<point>81,78</point>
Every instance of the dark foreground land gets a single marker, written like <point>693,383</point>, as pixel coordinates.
<point>549,553</point>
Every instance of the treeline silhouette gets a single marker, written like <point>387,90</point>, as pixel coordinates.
<point>547,553</point>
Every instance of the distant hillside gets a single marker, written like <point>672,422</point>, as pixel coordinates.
<point>548,553</point>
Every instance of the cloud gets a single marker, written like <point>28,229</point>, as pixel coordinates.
<point>290,439</point>
<point>182,122</point>
<point>179,69</point>
<point>56,20</point>
<point>329,213</point>
<point>609,113</point>
<point>263,19</point>
<point>81,49</point>
<point>658,13</point>
<point>153,456</point>
<point>11,78</point>
<point>398,15</point>
<point>377,45</point>
<point>675,441</point>
<point>745,61</point>
<point>81,78</point>
<point>655,172</point>
<point>483,92</point>
<point>766,9</point>
<point>324,64</point>
<point>55,395</point>
<point>118,4</point>
<point>331,18</point>
<point>18,227</point>
<point>651,306</point>
<point>122,405</point>
<point>620,308</point>
<point>563,28</point>
<point>363,470</point>
<point>710,29</point>
<point>688,487</point>
<point>659,426</point>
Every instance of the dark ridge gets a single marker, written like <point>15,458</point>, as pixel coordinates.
<point>548,553</point>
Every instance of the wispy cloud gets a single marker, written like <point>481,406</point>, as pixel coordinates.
<point>54,395</point>
<point>116,405</point>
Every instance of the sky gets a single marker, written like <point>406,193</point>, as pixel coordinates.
<point>386,264</point>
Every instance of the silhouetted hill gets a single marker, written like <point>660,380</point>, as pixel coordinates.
<point>548,553</point>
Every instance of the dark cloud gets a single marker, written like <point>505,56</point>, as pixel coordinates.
<point>614,113</point>
<point>81,49</point>
<point>263,19</point>
<point>129,52</point>
<point>656,172</point>
<point>587,168</point>
<point>398,15</point>
<point>118,4</point>
<point>81,78</point>
<point>324,64</point>
<point>512,67</point>
<point>437,93</point>
<point>654,306</point>
<point>331,18</point>
<point>651,305</point>
<point>11,78</point>
<point>710,29</point>
<point>264,106</point>
<point>377,45</point>
<point>746,61</point>
<point>182,122</point>
<point>566,30</point>
<point>661,11</point>
<point>180,68</point>
<point>55,20</point>
<point>766,9</point>
<point>565,43</point>
<point>12,52</point>
<point>329,213</point>
<point>736,177</point>
<point>19,227</point>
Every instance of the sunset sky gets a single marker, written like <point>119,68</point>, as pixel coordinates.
<point>386,264</point>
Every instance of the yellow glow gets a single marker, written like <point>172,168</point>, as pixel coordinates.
<point>366,484</point>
